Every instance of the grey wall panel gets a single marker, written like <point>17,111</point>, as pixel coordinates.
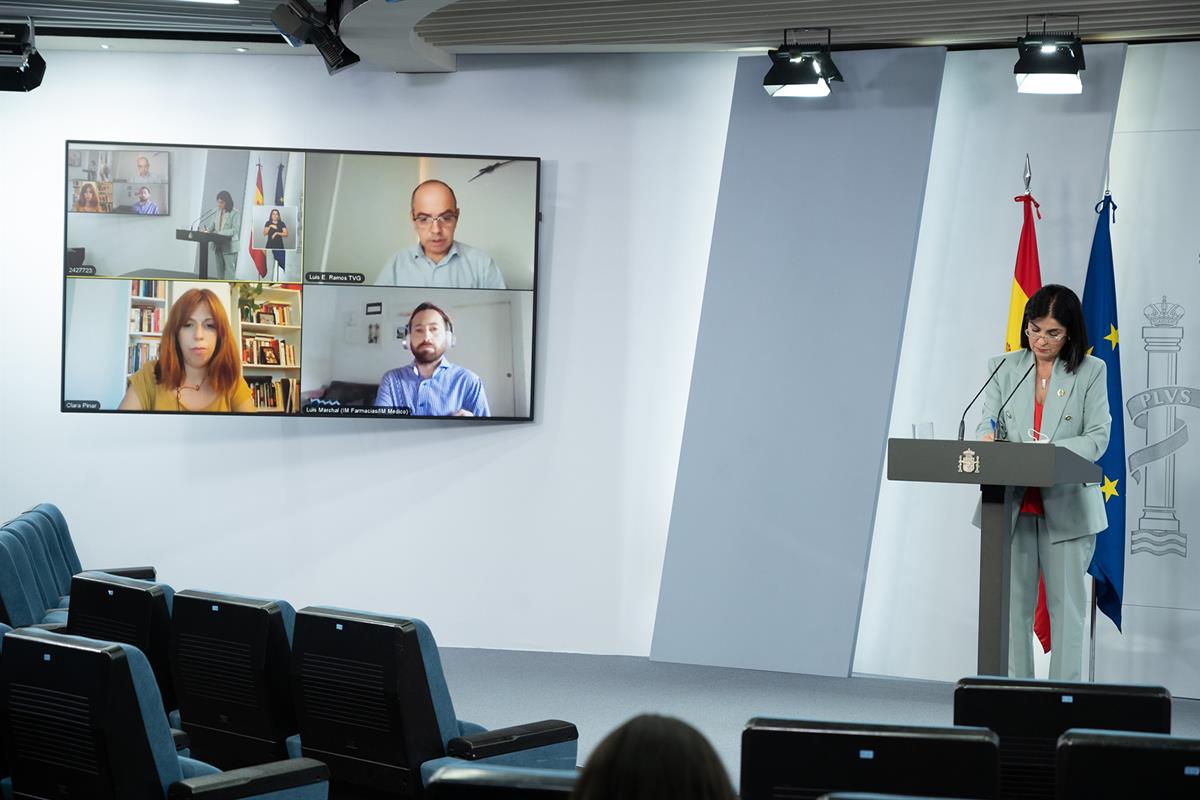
<point>809,268</point>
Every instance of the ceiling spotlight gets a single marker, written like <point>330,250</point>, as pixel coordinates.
<point>21,65</point>
<point>241,49</point>
<point>799,69</point>
<point>300,24</point>
<point>1050,61</point>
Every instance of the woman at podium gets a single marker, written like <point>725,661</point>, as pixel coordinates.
<point>227,222</point>
<point>1056,394</point>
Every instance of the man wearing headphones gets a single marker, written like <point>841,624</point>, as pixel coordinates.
<point>431,386</point>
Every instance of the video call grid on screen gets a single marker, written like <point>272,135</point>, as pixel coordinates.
<point>311,263</point>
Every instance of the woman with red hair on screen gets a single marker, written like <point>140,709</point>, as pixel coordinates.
<point>88,198</point>
<point>199,367</point>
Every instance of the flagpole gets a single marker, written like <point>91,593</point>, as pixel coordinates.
<point>1092,634</point>
<point>1092,639</point>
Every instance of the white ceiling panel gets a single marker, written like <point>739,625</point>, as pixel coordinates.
<point>480,26</point>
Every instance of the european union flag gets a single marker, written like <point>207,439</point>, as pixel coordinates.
<point>1100,316</point>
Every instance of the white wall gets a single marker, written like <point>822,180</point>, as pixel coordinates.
<point>546,535</point>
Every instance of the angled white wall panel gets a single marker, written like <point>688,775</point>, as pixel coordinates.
<point>811,254</point>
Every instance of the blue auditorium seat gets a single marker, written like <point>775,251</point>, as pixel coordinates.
<point>372,703</point>
<point>876,796</point>
<point>59,562</point>
<point>39,559</point>
<point>22,603</point>
<point>116,609</point>
<point>82,718</point>
<point>5,782</point>
<point>810,758</point>
<point>490,782</point>
<point>230,662</point>
<point>1114,765</point>
<point>1029,715</point>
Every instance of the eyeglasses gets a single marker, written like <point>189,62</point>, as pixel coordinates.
<point>425,220</point>
<point>1053,337</point>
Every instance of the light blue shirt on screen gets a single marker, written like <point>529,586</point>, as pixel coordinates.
<point>451,388</point>
<point>464,267</point>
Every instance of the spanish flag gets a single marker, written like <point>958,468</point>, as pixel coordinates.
<point>1027,279</point>
<point>258,256</point>
<point>258,190</point>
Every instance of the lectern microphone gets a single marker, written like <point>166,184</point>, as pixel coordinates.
<point>1001,428</point>
<point>195,223</point>
<point>962,423</point>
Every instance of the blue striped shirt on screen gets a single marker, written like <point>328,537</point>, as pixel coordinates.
<point>450,389</point>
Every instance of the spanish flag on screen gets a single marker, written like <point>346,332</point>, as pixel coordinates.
<point>1027,279</point>
<point>258,256</point>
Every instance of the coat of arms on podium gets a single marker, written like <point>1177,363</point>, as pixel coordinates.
<point>968,461</point>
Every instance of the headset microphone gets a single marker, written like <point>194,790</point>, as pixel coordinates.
<point>450,338</point>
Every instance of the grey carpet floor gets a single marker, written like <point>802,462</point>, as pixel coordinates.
<point>504,687</point>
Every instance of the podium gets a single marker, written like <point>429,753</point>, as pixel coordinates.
<point>204,239</point>
<point>992,466</point>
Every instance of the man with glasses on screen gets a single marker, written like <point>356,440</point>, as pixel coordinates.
<point>431,386</point>
<point>438,259</point>
<point>144,175</point>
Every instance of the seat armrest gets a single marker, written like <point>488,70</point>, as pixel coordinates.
<point>53,627</point>
<point>511,740</point>
<point>141,573</point>
<point>182,740</point>
<point>276,776</point>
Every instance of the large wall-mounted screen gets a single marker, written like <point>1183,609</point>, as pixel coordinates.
<point>307,283</point>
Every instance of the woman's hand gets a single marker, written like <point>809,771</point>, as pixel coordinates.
<point>988,437</point>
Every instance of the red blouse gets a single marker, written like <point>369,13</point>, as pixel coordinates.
<point>1032,503</point>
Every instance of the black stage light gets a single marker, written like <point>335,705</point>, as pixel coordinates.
<point>300,24</point>
<point>799,69</point>
<point>1050,61</point>
<point>21,65</point>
